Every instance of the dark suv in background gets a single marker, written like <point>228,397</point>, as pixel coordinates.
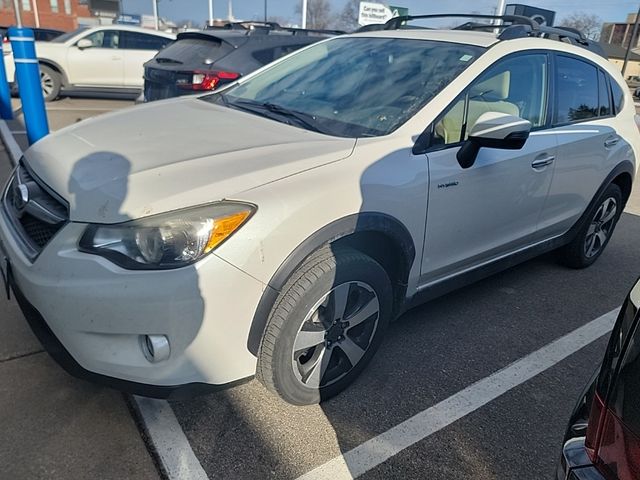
<point>201,61</point>
<point>602,441</point>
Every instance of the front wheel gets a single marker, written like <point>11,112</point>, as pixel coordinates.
<point>594,235</point>
<point>51,83</point>
<point>325,326</point>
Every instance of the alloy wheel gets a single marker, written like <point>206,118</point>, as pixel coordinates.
<point>600,227</point>
<point>47,83</point>
<point>335,334</point>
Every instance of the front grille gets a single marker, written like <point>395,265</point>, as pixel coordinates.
<point>33,210</point>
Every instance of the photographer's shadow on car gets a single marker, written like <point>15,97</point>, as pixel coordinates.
<point>142,302</point>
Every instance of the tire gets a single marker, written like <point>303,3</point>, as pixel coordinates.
<point>593,237</point>
<point>51,83</point>
<point>306,357</point>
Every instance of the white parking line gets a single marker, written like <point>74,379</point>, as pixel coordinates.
<point>379,449</point>
<point>168,439</point>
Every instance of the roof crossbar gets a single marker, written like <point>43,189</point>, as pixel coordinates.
<point>396,22</point>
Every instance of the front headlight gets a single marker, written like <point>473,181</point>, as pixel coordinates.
<point>170,240</point>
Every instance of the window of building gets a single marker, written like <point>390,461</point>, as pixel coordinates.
<point>54,6</point>
<point>26,5</point>
<point>67,7</point>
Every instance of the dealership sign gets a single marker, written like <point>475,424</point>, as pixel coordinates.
<point>371,13</point>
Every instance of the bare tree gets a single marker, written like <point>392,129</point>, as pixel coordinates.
<point>587,23</point>
<point>347,19</point>
<point>318,14</point>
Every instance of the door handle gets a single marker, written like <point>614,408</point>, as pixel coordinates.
<point>116,58</point>
<point>543,162</point>
<point>611,142</point>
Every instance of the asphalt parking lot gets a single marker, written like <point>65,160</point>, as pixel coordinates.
<point>430,354</point>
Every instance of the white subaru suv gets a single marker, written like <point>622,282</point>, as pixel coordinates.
<point>274,228</point>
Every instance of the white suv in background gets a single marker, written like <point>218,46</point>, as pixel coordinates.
<point>275,227</point>
<point>99,59</point>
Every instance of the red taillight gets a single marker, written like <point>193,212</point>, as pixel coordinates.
<point>593,427</point>
<point>612,446</point>
<point>201,81</point>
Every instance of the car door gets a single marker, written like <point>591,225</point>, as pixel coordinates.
<point>139,48</point>
<point>490,209</point>
<point>586,141</point>
<point>101,65</point>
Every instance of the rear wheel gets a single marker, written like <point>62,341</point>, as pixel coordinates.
<point>593,237</point>
<point>325,327</point>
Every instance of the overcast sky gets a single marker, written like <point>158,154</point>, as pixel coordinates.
<point>608,10</point>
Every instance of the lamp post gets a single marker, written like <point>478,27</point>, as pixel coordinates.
<point>210,13</point>
<point>265,11</point>
<point>155,14</point>
<point>304,13</point>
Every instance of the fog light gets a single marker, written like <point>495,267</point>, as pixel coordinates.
<point>155,347</point>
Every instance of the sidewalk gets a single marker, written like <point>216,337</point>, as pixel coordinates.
<point>52,425</point>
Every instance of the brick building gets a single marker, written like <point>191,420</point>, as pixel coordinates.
<point>58,14</point>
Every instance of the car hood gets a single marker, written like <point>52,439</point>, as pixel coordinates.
<point>173,154</point>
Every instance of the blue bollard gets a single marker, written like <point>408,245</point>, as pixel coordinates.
<point>28,78</point>
<point>6,110</point>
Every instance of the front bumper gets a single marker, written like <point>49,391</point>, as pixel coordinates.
<point>575,463</point>
<point>91,316</point>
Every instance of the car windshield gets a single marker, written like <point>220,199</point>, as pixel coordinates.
<point>352,86</point>
<point>66,36</point>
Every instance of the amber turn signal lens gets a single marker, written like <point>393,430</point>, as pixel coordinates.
<point>225,226</point>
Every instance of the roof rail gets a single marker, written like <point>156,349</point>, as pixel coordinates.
<point>562,34</point>
<point>518,27</point>
<point>265,27</point>
<point>397,22</point>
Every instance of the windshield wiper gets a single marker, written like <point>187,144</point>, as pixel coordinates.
<point>303,120</point>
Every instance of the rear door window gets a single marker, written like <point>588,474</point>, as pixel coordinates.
<point>576,90</point>
<point>142,41</point>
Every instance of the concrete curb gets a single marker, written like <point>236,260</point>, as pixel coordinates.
<point>15,152</point>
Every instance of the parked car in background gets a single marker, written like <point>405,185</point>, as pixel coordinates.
<point>602,441</point>
<point>206,60</point>
<point>274,228</point>
<point>99,59</point>
<point>633,81</point>
<point>40,34</point>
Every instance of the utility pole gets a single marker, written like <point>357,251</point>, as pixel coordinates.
<point>304,13</point>
<point>265,11</point>
<point>35,13</point>
<point>16,9</point>
<point>211,13</point>
<point>633,36</point>
<point>155,14</point>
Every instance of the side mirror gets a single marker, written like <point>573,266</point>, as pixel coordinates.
<point>84,43</point>
<point>494,130</point>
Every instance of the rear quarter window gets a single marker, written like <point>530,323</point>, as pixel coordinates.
<point>618,96</point>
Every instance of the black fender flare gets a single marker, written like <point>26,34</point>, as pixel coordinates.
<point>358,222</point>
<point>623,167</point>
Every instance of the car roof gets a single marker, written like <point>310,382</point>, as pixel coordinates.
<point>130,28</point>
<point>237,38</point>
<point>480,39</point>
